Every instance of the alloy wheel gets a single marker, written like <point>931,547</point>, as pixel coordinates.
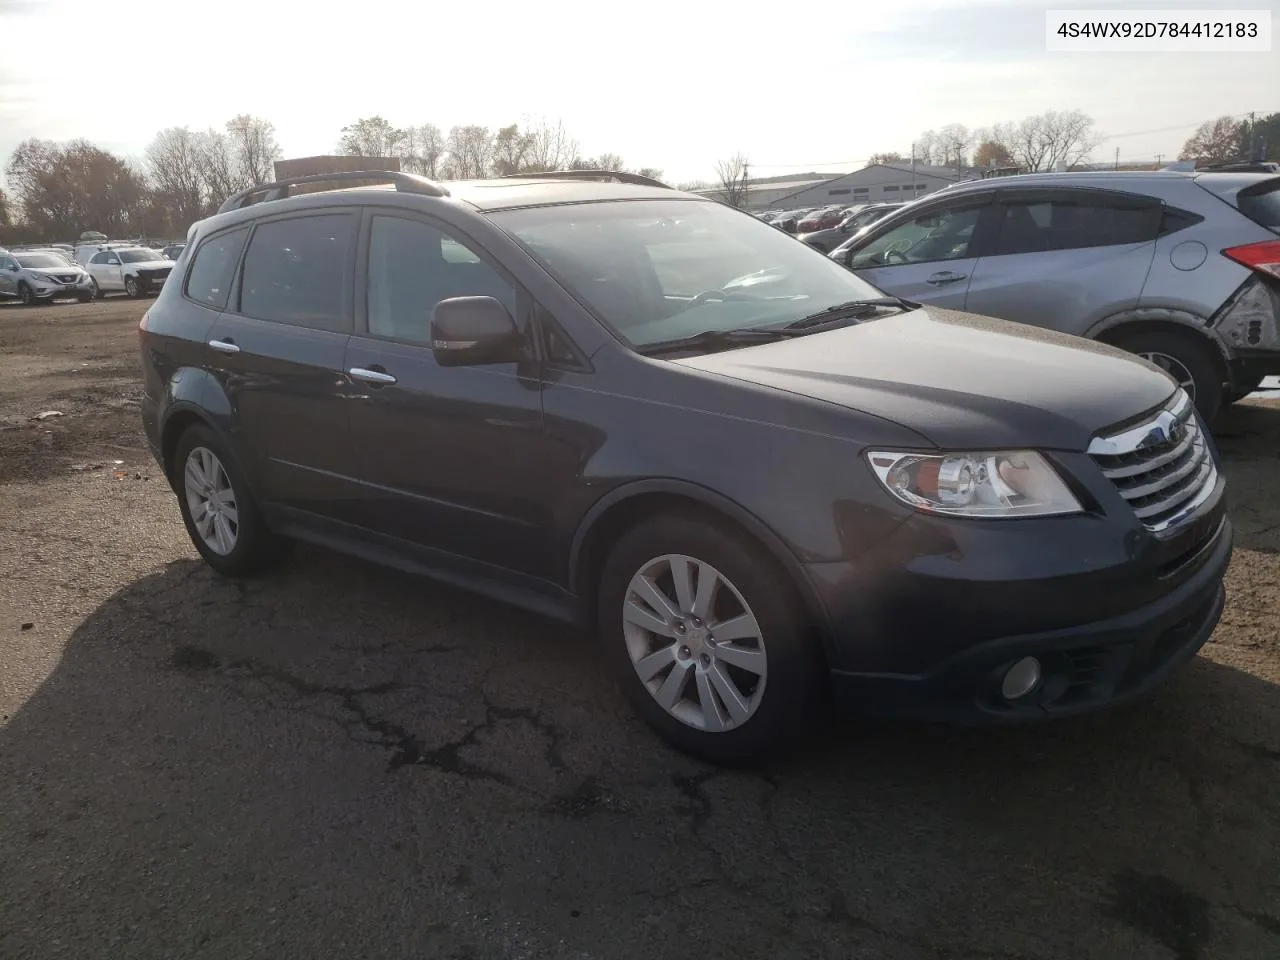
<point>695,643</point>
<point>131,286</point>
<point>1174,368</point>
<point>211,500</point>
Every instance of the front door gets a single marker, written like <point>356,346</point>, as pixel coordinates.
<point>278,351</point>
<point>451,458</point>
<point>104,267</point>
<point>928,257</point>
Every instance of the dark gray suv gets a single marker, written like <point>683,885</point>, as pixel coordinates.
<point>756,477</point>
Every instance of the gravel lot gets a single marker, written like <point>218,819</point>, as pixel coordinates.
<point>344,761</point>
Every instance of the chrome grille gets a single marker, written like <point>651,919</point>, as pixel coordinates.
<point>1162,467</point>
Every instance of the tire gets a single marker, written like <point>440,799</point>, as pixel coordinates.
<point>131,288</point>
<point>25,295</point>
<point>95,291</point>
<point>1173,349</point>
<point>252,547</point>
<point>775,707</point>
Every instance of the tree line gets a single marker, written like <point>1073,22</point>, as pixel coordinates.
<point>1228,139</point>
<point>58,190</point>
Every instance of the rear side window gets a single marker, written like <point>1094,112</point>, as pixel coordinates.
<point>1261,204</point>
<point>1070,223</point>
<point>209,280</point>
<point>296,271</point>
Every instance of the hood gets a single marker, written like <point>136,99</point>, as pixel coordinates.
<point>961,380</point>
<point>149,264</point>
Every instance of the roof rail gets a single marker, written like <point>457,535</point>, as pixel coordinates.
<point>404,183</point>
<point>614,175</point>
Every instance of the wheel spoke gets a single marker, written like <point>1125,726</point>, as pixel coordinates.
<point>646,619</point>
<point>652,665</point>
<point>741,627</point>
<point>711,711</point>
<point>729,694</point>
<point>204,523</point>
<point>682,578</point>
<point>672,688</point>
<point>656,599</point>
<point>195,476</point>
<point>708,586</point>
<point>744,658</point>
<point>231,513</point>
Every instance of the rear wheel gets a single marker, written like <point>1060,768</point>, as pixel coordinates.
<point>1187,360</point>
<point>220,515</point>
<point>708,644</point>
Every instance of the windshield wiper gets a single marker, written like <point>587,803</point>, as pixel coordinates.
<point>850,310</point>
<point>717,340</point>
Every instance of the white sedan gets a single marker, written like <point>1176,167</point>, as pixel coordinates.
<point>135,270</point>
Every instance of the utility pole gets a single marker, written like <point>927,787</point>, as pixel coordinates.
<point>1117,158</point>
<point>1253,137</point>
<point>746,168</point>
<point>1159,157</point>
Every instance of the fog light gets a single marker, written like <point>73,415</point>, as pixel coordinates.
<point>1020,679</point>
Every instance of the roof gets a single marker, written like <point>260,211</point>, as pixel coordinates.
<point>504,193</point>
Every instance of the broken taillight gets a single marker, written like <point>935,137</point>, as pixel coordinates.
<point>1263,256</point>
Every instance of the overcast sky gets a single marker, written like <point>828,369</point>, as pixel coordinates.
<point>672,85</point>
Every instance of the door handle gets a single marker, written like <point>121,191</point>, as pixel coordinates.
<point>224,346</point>
<point>379,377</point>
<point>946,276</point>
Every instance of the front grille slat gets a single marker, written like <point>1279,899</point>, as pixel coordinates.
<point>1162,467</point>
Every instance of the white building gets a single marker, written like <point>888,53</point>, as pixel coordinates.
<point>877,183</point>
<point>762,192</point>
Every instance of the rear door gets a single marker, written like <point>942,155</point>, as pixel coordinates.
<point>930,255</point>
<point>278,350</point>
<point>8,276</point>
<point>1065,258</point>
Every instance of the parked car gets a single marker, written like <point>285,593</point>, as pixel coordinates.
<point>823,219</point>
<point>136,271</point>
<point>172,251</point>
<point>41,276</point>
<point>755,497</point>
<point>1180,268</point>
<point>827,240</point>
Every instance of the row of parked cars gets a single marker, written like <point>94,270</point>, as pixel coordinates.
<point>761,474</point>
<point>33,274</point>
<point>1176,267</point>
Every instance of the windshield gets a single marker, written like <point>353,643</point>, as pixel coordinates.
<point>658,270</point>
<point>138,256</point>
<point>38,261</point>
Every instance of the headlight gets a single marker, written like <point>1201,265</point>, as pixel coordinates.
<point>42,278</point>
<point>1017,483</point>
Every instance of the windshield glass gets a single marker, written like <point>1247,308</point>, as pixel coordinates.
<point>41,260</point>
<point>659,270</point>
<point>138,256</point>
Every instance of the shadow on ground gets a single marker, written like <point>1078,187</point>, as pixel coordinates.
<point>341,761</point>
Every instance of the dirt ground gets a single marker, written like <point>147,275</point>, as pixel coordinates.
<point>338,760</point>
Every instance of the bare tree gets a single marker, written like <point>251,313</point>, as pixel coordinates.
<point>371,137</point>
<point>254,149</point>
<point>731,175</point>
<point>927,147</point>
<point>892,158</point>
<point>422,150</point>
<point>954,141</point>
<point>549,146</point>
<point>174,160</point>
<point>216,162</point>
<point>653,173</point>
<point>470,150</point>
<point>1048,140</point>
<point>510,147</point>
<point>1215,141</point>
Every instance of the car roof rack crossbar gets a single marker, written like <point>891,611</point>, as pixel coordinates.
<point>617,176</point>
<point>278,190</point>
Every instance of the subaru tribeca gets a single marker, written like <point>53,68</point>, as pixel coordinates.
<point>545,389</point>
<point>1182,269</point>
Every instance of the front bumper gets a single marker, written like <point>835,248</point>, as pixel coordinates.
<point>930,632</point>
<point>54,291</point>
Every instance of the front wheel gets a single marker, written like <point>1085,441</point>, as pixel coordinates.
<point>131,288</point>
<point>709,645</point>
<point>1186,358</point>
<point>25,295</point>
<point>95,291</point>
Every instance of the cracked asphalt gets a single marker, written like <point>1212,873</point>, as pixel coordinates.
<point>339,760</point>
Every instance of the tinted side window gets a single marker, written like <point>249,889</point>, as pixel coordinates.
<point>934,236</point>
<point>412,267</point>
<point>296,271</point>
<point>1261,204</point>
<point>1069,223</point>
<point>209,280</point>
<point>101,257</point>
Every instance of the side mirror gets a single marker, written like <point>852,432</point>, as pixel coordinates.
<point>468,331</point>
